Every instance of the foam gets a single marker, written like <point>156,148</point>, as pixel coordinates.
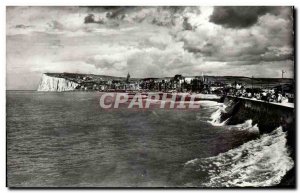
<point>216,116</point>
<point>246,126</point>
<point>257,163</point>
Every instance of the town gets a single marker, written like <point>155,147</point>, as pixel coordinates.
<point>280,90</point>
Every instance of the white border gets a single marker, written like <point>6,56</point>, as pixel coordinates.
<point>150,2</point>
<point>4,3</point>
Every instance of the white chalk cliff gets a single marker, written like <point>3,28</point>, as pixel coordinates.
<point>49,83</point>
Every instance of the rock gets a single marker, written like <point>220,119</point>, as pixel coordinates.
<point>49,83</point>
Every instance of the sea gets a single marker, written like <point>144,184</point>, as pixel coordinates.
<point>65,139</point>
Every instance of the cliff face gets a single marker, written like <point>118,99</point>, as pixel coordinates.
<point>49,83</point>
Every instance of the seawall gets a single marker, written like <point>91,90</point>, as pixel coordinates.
<point>267,116</point>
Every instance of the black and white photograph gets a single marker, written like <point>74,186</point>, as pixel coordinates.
<point>150,97</point>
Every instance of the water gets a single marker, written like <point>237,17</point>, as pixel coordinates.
<point>67,140</point>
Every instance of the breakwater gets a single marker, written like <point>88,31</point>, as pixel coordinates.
<point>267,116</point>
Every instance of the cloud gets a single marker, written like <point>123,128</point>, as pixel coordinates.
<point>241,16</point>
<point>90,18</point>
<point>186,25</point>
<point>66,66</point>
<point>21,26</point>
<point>55,25</point>
<point>147,61</point>
<point>270,39</point>
<point>84,19</point>
<point>160,16</point>
<point>117,13</point>
<point>147,42</point>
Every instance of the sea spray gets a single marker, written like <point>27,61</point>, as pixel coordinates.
<point>257,163</point>
<point>246,126</point>
<point>216,116</point>
<point>215,120</point>
<point>209,104</point>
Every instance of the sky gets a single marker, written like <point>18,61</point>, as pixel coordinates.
<point>147,42</point>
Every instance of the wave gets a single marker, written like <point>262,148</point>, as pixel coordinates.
<point>209,103</point>
<point>246,126</point>
<point>215,120</point>
<point>257,163</point>
<point>216,116</point>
